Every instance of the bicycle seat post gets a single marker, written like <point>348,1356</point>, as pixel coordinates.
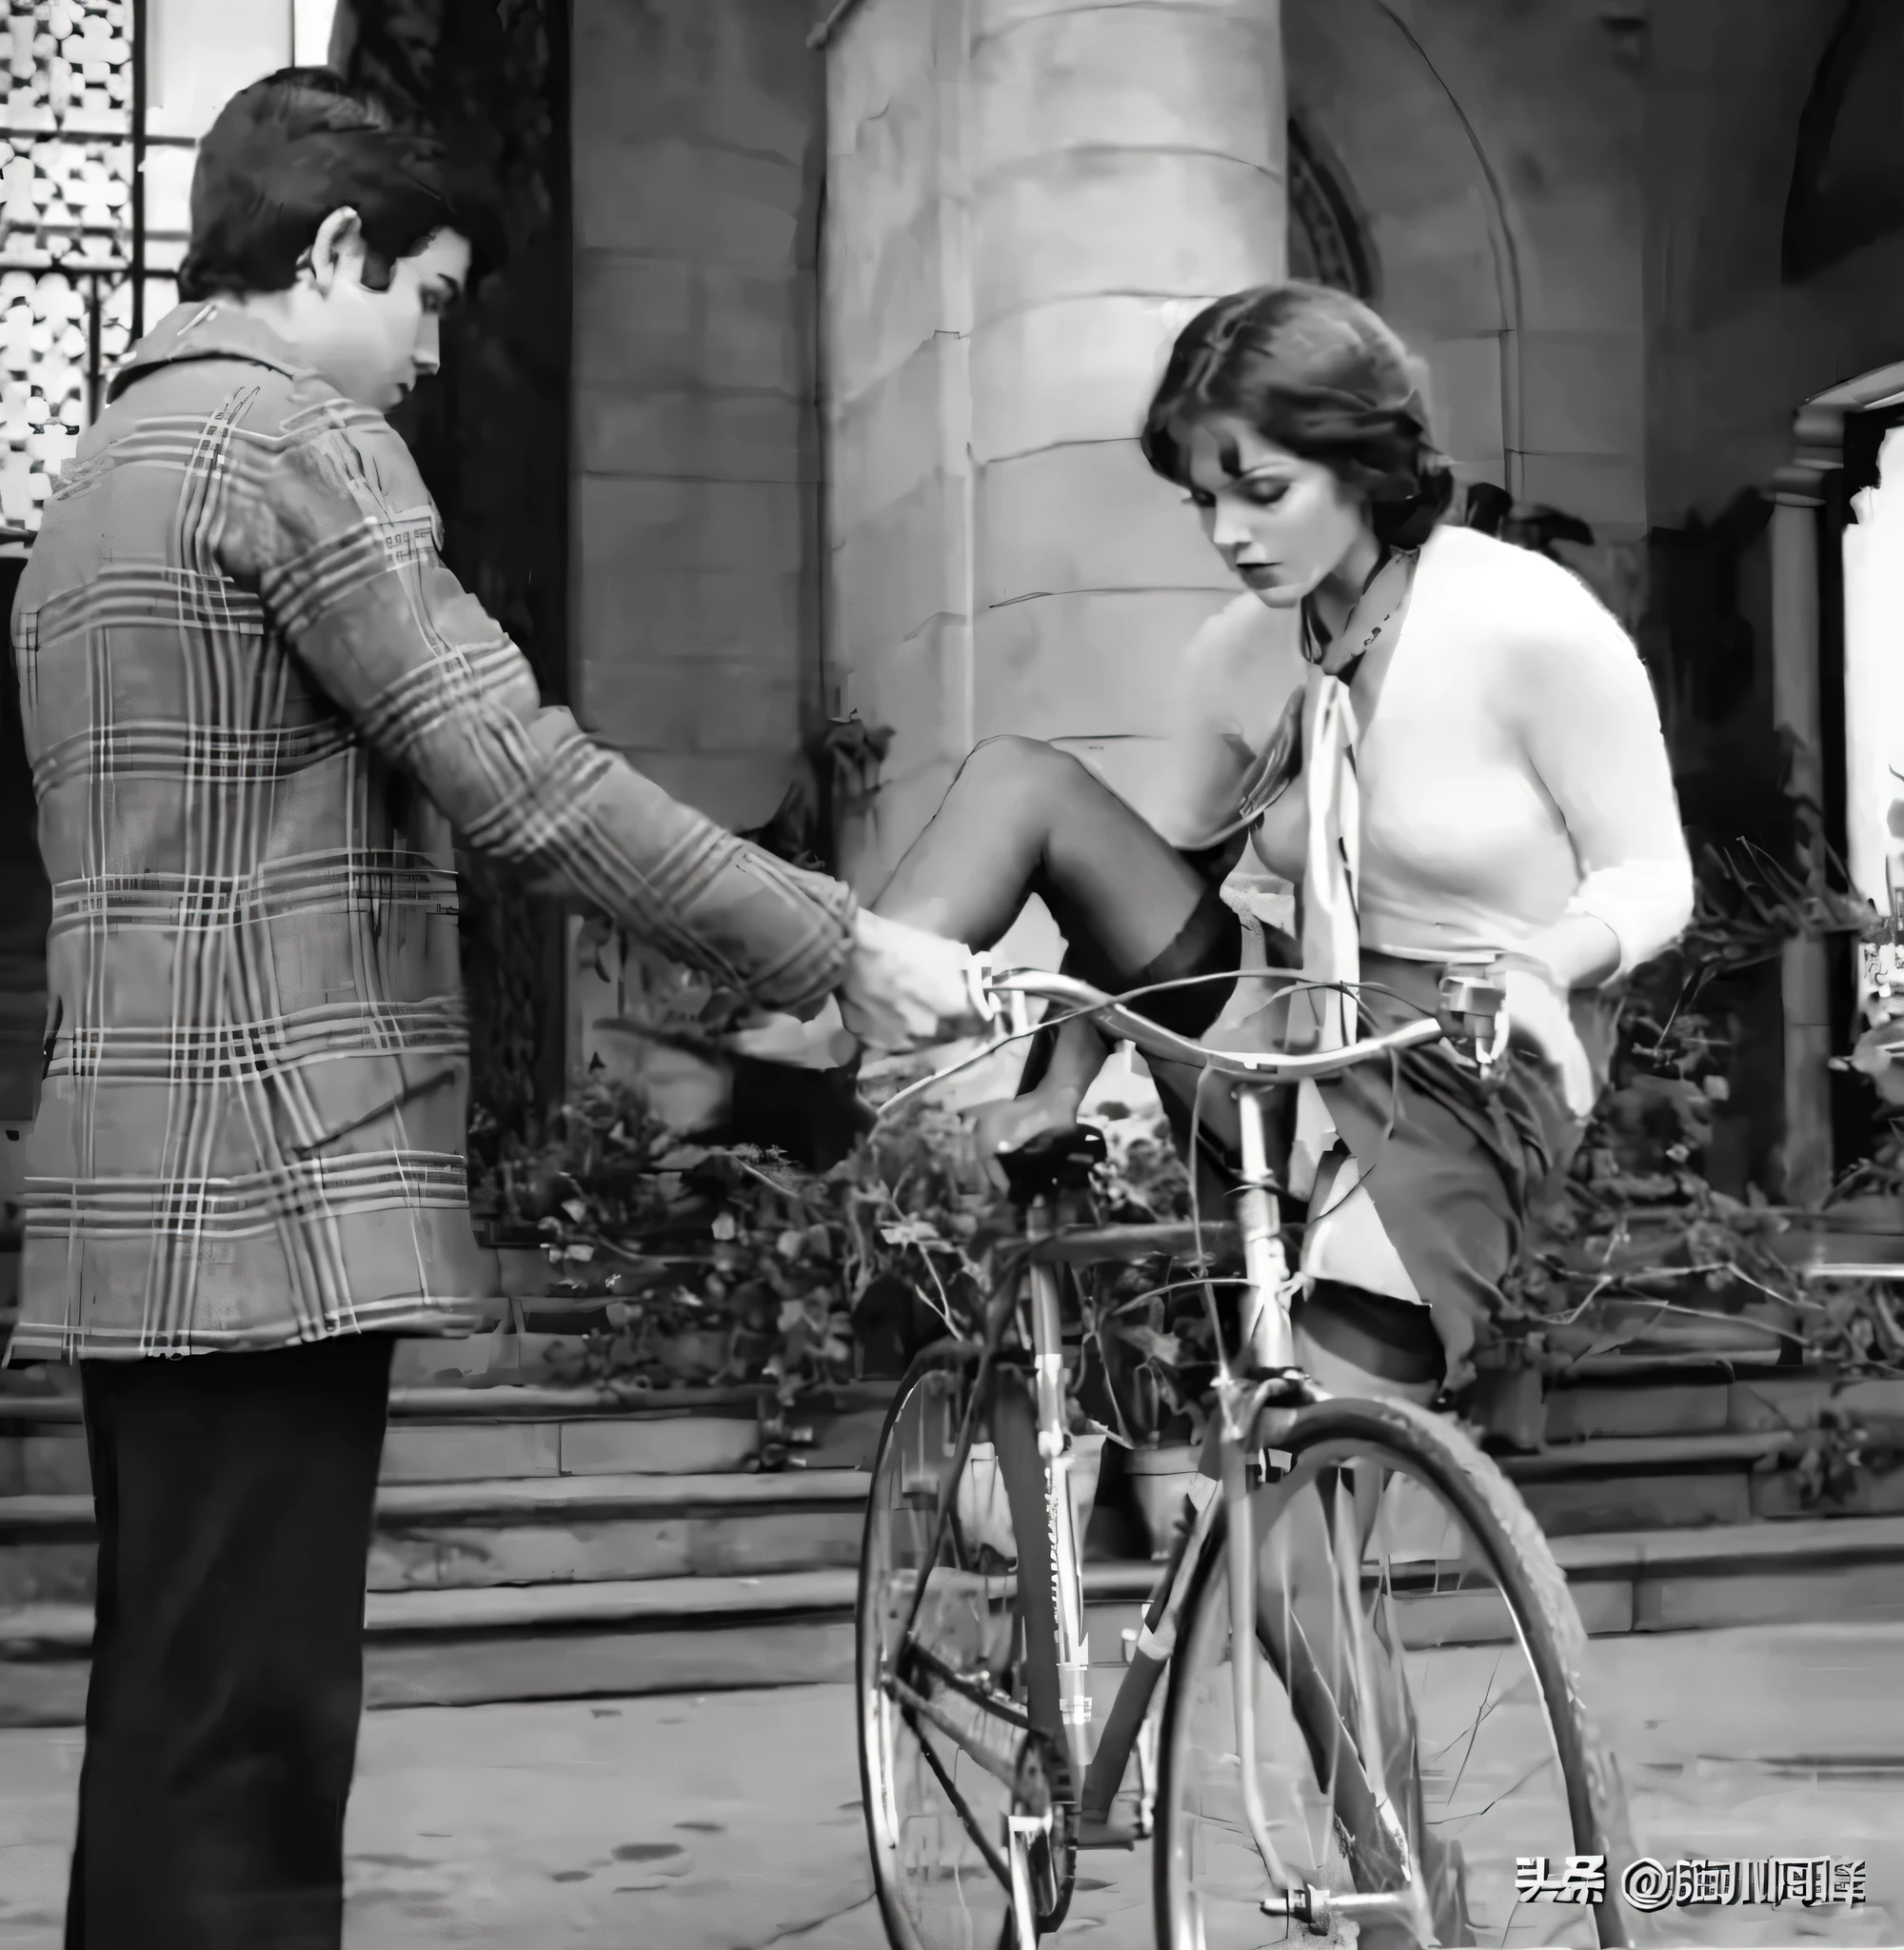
<point>1268,1343</point>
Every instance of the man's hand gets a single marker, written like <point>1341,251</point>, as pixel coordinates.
<point>907,989</point>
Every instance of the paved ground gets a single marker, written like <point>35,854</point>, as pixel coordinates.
<point>732,1821</point>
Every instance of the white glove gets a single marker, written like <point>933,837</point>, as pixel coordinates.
<point>906,989</point>
<point>1538,1016</point>
<point>820,1044</point>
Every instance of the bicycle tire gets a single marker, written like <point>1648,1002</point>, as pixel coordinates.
<point>1530,1581</point>
<point>1008,1414</point>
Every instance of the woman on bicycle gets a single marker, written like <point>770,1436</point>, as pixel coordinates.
<point>1444,744</point>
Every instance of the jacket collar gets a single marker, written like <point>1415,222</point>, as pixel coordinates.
<point>208,330</point>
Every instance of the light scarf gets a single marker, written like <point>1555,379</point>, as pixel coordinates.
<point>1324,1017</point>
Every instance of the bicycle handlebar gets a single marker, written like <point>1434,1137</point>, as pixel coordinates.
<point>1472,1012</point>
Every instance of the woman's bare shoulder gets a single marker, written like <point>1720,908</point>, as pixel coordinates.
<point>1245,659</point>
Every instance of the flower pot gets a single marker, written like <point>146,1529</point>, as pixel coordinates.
<point>1160,1480</point>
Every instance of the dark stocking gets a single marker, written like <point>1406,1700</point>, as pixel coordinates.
<point>1021,818</point>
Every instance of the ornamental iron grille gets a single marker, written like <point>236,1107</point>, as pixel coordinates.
<point>75,282</point>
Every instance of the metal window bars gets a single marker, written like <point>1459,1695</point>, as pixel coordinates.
<point>74,244</point>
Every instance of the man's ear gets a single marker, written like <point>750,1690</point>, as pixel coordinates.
<point>337,250</point>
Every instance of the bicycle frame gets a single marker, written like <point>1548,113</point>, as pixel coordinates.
<point>1262,1377</point>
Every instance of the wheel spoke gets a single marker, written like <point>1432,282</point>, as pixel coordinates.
<point>962,1808</point>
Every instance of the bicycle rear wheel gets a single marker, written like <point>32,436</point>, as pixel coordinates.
<point>1419,1715</point>
<point>959,1717</point>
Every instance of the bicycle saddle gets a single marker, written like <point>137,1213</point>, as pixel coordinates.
<point>1053,1162</point>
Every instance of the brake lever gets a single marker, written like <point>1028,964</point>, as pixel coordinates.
<point>1472,1012</point>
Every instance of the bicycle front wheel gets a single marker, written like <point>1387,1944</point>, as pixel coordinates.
<point>1419,1719</point>
<point>960,1721</point>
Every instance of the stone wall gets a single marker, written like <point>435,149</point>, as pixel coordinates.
<point>697,174</point>
<point>1495,149</point>
<point>1736,349</point>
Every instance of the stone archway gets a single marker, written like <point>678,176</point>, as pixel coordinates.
<point>1437,243</point>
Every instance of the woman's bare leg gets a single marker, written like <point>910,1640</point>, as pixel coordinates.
<point>1021,818</point>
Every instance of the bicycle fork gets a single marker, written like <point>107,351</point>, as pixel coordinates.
<point>1269,1352</point>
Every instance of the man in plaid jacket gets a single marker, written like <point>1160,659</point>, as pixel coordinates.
<point>255,704</point>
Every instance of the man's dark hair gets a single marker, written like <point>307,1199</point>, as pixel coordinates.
<point>282,155</point>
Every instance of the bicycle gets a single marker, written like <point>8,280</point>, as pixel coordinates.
<point>1408,1721</point>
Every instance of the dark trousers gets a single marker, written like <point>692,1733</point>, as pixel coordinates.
<point>235,1496</point>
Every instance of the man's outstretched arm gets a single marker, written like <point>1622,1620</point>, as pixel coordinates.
<point>330,522</point>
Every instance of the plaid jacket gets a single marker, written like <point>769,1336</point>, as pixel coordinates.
<point>254,703</point>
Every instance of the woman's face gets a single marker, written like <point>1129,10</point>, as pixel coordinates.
<point>1283,524</point>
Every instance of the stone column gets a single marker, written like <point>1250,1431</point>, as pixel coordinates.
<point>1128,166</point>
<point>896,306</point>
<point>1025,201</point>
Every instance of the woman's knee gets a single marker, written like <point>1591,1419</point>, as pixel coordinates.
<point>1011,761</point>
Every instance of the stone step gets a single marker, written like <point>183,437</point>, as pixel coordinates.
<point>465,1647</point>
<point>457,1435</point>
<point>520,1531</point>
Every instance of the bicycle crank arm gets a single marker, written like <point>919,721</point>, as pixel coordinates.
<point>1318,1911</point>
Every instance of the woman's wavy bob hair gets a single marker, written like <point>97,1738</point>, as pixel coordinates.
<point>1316,371</point>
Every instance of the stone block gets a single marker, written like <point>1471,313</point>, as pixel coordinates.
<point>1077,370</point>
<point>43,1692</point>
<point>1465,400</point>
<point>686,196</point>
<point>32,1573</point>
<point>639,612</point>
<point>736,72</point>
<point>1576,1415</point>
<point>1583,393</point>
<point>581,1666</point>
<point>1072,519</point>
<point>669,324</point>
<point>1075,665</point>
<point>891,282</point>
<point>687,431</point>
<point>739,792</point>
<point>714,705</point>
<point>893,245</point>
<point>1771,1401</point>
<point>440,1557</point>
<point>55,1464</point>
<point>1431,1619</point>
<point>469,1452</point>
<point>753,526</point>
<point>1158,78</point>
<point>906,426</point>
<point>895,571</point>
<point>784,1540</point>
<point>1078,223</point>
<point>1575,1506</point>
<point>681,1445</point>
<point>1846,1595</point>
